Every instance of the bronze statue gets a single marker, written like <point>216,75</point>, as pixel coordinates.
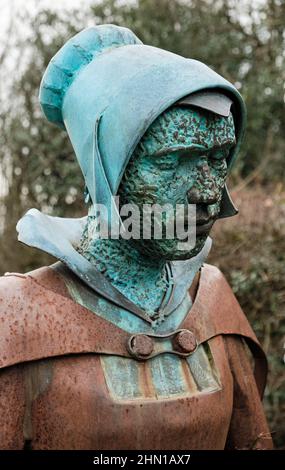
<point>130,340</point>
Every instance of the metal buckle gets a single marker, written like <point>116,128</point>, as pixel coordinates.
<point>142,346</point>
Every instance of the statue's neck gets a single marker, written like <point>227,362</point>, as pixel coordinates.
<point>141,279</point>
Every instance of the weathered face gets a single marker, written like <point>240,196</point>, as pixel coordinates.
<point>181,159</point>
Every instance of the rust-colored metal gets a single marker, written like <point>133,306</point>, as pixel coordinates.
<point>141,346</point>
<point>53,392</point>
<point>54,325</point>
<point>149,345</point>
<point>185,341</point>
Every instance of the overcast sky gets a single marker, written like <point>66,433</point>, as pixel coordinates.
<point>33,5</point>
<point>7,7</point>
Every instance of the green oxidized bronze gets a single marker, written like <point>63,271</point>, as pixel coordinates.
<point>182,159</point>
<point>132,343</point>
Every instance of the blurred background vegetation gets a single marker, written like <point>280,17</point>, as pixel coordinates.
<point>242,40</point>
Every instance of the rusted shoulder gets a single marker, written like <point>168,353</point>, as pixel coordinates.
<point>216,311</point>
<point>49,278</point>
<point>37,322</point>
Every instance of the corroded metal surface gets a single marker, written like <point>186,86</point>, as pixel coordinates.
<point>104,422</point>
<point>65,402</point>
<point>141,346</point>
<point>32,231</point>
<point>146,346</point>
<point>65,102</point>
<point>185,341</point>
<point>55,325</point>
<point>124,373</point>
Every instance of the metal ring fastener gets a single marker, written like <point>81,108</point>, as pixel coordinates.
<point>185,341</point>
<point>142,346</point>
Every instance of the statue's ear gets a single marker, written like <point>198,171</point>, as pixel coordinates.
<point>228,208</point>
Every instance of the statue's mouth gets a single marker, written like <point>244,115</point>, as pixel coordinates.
<point>204,227</point>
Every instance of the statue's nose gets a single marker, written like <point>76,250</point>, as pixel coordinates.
<point>209,195</point>
<point>207,192</point>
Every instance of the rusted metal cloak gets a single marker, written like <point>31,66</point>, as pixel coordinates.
<point>54,393</point>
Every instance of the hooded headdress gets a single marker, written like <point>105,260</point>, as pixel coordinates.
<point>106,88</point>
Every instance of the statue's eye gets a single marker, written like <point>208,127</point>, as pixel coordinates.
<point>219,154</point>
<point>218,159</point>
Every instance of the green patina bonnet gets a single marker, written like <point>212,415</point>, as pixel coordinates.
<point>105,87</point>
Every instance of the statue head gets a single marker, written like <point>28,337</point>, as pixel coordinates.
<point>148,126</point>
<point>180,160</point>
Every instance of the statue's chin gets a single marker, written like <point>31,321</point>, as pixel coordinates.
<point>169,250</point>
